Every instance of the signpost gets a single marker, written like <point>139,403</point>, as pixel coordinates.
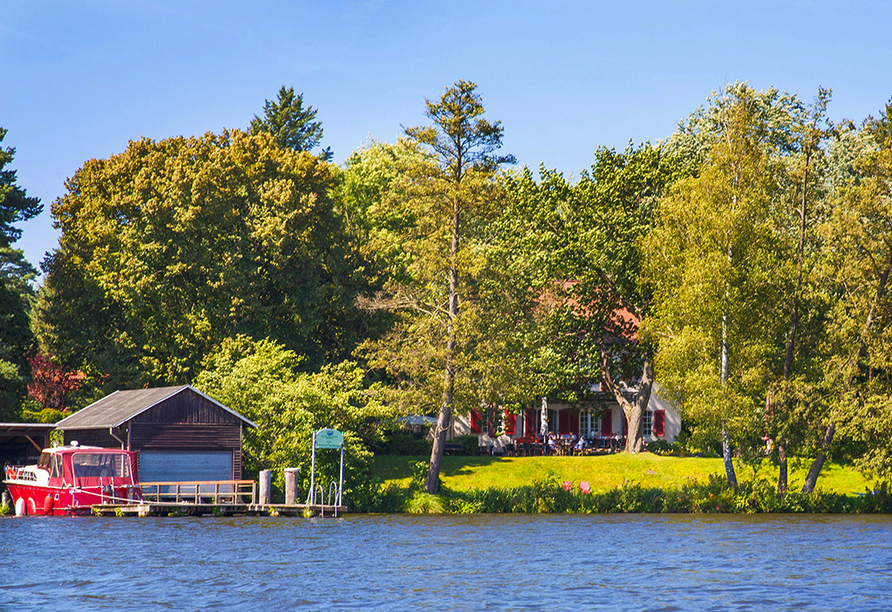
<point>332,439</point>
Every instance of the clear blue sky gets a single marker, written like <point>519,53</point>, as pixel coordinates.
<point>81,79</point>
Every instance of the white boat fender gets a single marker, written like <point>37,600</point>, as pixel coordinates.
<point>20,506</point>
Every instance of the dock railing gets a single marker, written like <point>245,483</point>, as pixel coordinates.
<point>202,492</point>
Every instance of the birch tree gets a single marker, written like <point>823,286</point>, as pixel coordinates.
<point>716,259</point>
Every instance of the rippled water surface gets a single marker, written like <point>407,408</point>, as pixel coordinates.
<point>488,562</point>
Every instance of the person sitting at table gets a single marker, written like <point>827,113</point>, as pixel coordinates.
<point>552,445</point>
<point>580,444</point>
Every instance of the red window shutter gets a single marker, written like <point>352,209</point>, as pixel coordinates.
<point>659,423</point>
<point>563,422</point>
<point>574,424</point>
<point>510,423</point>
<point>529,423</point>
<point>607,423</point>
<point>475,422</point>
<point>625,425</point>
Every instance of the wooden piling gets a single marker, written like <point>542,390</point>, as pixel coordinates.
<point>266,482</point>
<point>291,486</point>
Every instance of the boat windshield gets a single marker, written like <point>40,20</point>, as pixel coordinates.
<point>91,465</point>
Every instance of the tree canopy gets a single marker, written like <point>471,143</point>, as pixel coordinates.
<point>291,125</point>
<point>171,247</point>
<point>447,197</point>
<point>16,274</point>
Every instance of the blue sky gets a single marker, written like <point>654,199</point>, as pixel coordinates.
<point>81,79</point>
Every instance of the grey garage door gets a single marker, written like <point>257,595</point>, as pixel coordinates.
<point>180,466</point>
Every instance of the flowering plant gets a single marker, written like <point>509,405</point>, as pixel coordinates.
<point>585,488</point>
<point>568,485</point>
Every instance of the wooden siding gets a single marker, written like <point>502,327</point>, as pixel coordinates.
<point>237,464</point>
<point>187,407</point>
<point>94,437</point>
<point>196,436</point>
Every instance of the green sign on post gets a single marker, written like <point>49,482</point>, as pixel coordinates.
<point>329,438</point>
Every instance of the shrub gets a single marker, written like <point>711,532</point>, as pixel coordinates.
<point>402,442</point>
<point>470,442</point>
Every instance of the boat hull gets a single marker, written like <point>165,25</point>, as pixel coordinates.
<point>71,480</point>
<point>58,501</point>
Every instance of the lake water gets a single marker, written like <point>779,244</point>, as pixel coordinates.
<point>477,562</point>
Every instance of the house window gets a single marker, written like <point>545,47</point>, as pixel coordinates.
<point>648,425</point>
<point>588,424</point>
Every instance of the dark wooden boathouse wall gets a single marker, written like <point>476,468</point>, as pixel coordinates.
<point>94,437</point>
<point>186,421</point>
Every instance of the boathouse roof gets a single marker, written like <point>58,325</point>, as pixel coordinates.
<point>121,406</point>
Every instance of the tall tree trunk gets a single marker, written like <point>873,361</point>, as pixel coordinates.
<point>632,411</point>
<point>794,322</point>
<point>812,479</point>
<point>782,468</point>
<point>432,483</point>
<point>726,436</point>
<point>635,441</point>
<point>726,458</point>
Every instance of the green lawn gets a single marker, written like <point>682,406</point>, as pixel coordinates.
<point>603,472</point>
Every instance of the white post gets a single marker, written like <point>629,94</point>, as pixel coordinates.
<point>311,499</point>
<point>341,485</point>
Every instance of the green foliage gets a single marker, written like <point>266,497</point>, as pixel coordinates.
<point>860,264</point>
<point>421,502</point>
<point>469,442</point>
<point>172,246</point>
<point>577,249</point>
<point>15,205</point>
<point>16,293</point>
<point>261,381</point>
<point>40,414</point>
<point>720,264</point>
<point>398,441</point>
<point>291,125</point>
<point>419,473</point>
<point>710,497</point>
<point>438,353</point>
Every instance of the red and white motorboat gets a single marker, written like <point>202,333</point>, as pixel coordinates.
<point>71,479</point>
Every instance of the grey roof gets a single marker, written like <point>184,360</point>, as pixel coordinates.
<point>8,427</point>
<point>121,406</point>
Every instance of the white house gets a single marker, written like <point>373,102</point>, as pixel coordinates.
<point>661,421</point>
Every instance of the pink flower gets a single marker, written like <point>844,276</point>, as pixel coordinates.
<point>568,485</point>
<point>585,488</point>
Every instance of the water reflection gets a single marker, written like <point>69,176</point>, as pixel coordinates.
<point>499,562</point>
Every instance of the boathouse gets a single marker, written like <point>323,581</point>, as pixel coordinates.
<point>180,433</point>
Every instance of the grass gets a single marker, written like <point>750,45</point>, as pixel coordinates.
<point>604,472</point>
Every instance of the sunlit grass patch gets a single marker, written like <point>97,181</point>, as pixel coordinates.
<point>604,472</point>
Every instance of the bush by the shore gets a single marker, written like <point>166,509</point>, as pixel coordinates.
<point>712,496</point>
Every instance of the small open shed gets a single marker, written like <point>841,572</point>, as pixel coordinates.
<point>180,433</point>
<point>21,443</point>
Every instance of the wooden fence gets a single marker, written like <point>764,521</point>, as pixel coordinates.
<point>204,492</point>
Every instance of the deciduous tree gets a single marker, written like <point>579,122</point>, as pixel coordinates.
<point>718,260</point>
<point>173,246</point>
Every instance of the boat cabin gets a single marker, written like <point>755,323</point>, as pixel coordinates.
<point>71,479</point>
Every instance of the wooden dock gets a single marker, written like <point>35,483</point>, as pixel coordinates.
<point>192,509</point>
<point>210,498</point>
